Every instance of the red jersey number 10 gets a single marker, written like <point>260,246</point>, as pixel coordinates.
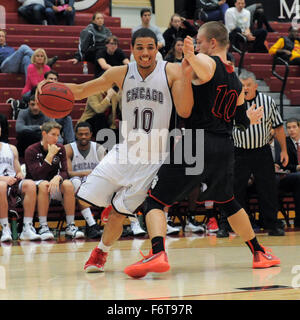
<point>225,103</point>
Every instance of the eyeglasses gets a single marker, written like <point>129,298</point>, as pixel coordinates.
<point>114,43</point>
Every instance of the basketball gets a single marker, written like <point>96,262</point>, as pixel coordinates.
<point>56,100</point>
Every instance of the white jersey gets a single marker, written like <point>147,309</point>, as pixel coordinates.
<point>79,163</point>
<point>6,160</point>
<point>146,111</point>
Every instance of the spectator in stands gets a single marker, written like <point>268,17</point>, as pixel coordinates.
<point>33,11</point>
<point>145,19</point>
<point>68,133</point>
<point>211,10</point>
<point>238,21</point>
<point>28,125</point>
<point>288,48</point>
<point>253,155</point>
<point>92,39</point>
<point>258,17</point>
<point>179,27</point>
<point>95,110</point>
<point>12,182</point>
<point>46,164</point>
<point>63,9</point>
<point>175,54</point>
<point>11,60</point>
<point>110,56</point>
<point>289,179</point>
<point>83,155</point>
<point>4,128</point>
<point>35,74</point>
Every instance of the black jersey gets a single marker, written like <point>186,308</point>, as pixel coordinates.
<point>215,101</point>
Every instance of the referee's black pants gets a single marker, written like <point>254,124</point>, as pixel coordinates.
<point>258,162</point>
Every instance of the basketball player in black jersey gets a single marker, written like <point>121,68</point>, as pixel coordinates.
<point>218,102</point>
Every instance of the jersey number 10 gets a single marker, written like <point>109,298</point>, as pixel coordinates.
<point>225,103</point>
<point>143,120</point>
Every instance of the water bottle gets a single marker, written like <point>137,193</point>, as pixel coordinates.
<point>14,223</point>
<point>85,69</point>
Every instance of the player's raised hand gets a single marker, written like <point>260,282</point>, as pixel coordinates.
<point>255,114</point>
<point>187,69</point>
<point>188,47</point>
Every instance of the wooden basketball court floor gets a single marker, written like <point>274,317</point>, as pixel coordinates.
<point>203,267</point>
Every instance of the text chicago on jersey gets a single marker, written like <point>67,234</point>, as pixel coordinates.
<point>143,93</point>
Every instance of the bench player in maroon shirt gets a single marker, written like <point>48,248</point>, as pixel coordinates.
<point>46,164</point>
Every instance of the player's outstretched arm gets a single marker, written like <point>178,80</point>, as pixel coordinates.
<point>203,66</point>
<point>113,76</point>
<point>182,88</point>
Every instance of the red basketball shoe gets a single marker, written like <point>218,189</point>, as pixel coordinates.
<point>152,263</point>
<point>264,259</point>
<point>96,261</point>
<point>105,214</point>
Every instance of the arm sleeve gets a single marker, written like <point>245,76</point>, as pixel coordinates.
<point>29,79</point>
<point>22,127</point>
<point>85,41</point>
<point>191,30</point>
<point>208,5</point>
<point>242,122</point>
<point>159,35</point>
<point>97,103</point>
<point>279,44</point>
<point>230,22</point>
<point>275,115</point>
<point>33,167</point>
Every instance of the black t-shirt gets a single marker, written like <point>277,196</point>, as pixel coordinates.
<point>215,101</point>
<point>115,59</point>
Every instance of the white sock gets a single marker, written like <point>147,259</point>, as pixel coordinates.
<point>4,222</point>
<point>70,219</point>
<point>103,247</point>
<point>27,220</point>
<point>43,221</point>
<point>88,216</point>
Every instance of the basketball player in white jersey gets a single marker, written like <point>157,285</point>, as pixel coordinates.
<point>83,155</point>
<point>12,180</point>
<point>124,176</point>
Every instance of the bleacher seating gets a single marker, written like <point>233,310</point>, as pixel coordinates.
<point>63,41</point>
<point>57,40</point>
<point>261,65</point>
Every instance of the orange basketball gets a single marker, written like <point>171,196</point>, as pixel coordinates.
<point>56,100</point>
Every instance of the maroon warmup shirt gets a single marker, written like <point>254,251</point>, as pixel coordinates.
<point>38,169</point>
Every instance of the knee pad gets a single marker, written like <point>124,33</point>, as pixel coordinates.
<point>150,204</point>
<point>230,208</point>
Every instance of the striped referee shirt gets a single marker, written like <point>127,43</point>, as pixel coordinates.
<point>258,135</point>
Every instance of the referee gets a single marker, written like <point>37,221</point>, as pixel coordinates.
<point>253,155</point>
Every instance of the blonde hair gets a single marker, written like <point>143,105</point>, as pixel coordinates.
<point>39,50</point>
<point>216,30</point>
<point>48,126</point>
